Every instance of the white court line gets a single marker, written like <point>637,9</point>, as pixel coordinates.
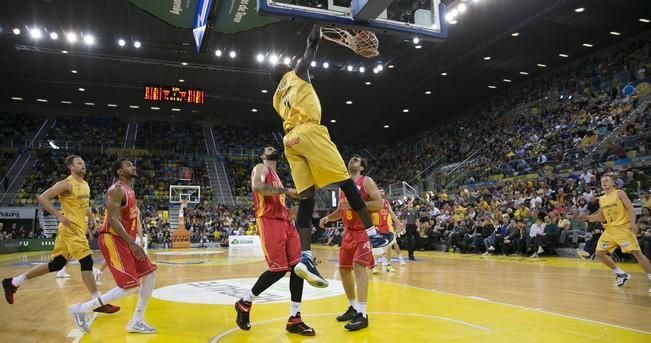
<point>522,307</point>
<point>228,332</point>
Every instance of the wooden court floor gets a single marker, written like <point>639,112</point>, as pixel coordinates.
<point>438,298</point>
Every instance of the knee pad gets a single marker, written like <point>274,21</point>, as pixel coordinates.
<point>57,264</point>
<point>86,263</point>
<point>304,214</point>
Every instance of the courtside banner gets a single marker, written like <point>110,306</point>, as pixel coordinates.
<point>18,212</point>
<point>243,241</point>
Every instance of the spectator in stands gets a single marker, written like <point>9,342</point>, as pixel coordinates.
<point>536,234</point>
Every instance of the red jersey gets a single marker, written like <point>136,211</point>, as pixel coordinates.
<point>349,217</point>
<point>128,214</point>
<point>270,206</point>
<point>382,218</point>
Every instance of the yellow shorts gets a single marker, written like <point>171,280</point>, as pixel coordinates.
<point>614,237</point>
<point>70,243</point>
<point>313,157</point>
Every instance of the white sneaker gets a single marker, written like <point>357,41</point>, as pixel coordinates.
<point>140,327</point>
<point>486,253</point>
<point>376,270</point>
<point>402,261</point>
<point>491,248</point>
<point>79,318</point>
<point>97,274</point>
<point>620,279</point>
<point>61,274</point>
<point>582,254</point>
<point>540,250</point>
<point>535,255</point>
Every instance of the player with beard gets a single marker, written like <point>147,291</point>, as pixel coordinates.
<point>280,243</point>
<point>127,261</point>
<point>355,254</point>
<point>74,195</point>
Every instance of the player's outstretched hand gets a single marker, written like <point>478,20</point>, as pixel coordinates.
<point>323,222</point>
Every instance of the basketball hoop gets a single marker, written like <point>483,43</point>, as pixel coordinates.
<point>363,43</point>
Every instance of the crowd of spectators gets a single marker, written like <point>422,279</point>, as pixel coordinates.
<point>178,137</point>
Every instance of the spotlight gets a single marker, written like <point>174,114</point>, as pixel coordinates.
<point>122,42</point>
<point>54,35</point>
<point>137,44</point>
<point>71,37</point>
<point>36,33</point>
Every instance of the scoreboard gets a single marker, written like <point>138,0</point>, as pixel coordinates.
<point>174,94</point>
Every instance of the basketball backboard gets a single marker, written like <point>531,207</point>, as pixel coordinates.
<point>180,192</point>
<point>414,18</point>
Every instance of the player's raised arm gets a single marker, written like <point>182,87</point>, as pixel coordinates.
<point>258,175</point>
<point>310,53</point>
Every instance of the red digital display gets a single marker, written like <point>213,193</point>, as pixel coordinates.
<point>174,94</point>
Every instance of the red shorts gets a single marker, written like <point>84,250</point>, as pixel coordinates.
<point>383,229</point>
<point>125,268</point>
<point>281,243</point>
<point>355,248</point>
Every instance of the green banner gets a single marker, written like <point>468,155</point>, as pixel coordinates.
<point>232,15</point>
<point>35,244</point>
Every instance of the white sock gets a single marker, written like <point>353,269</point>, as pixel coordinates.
<point>362,308</point>
<point>649,276</point>
<point>97,294</point>
<point>249,297</point>
<point>617,270</point>
<point>294,308</point>
<point>307,252</point>
<point>19,280</point>
<point>115,293</point>
<point>146,288</point>
<point>353,303</point>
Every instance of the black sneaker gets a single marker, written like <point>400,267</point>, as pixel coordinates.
<point>10,289</point>
<point>348,315</point>
<point>243,309</point>
<point>358,323</point>
<point>306,269</point>
<point>296,325</point>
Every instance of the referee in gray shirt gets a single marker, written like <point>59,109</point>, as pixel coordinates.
<point>411,218</point>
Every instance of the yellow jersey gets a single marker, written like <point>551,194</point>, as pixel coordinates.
<point>614,211</point>
<point>296,102</point>
<point>75,205</point>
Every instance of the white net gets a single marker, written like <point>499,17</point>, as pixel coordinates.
<point>363,43</point>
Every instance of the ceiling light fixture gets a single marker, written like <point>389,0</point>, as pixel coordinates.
<point>418,47</point>
<point>254,110</point>
<point>264,91</point>
<point>462,8</point>
<point>181,80</point>
<point>542,65</point>
<point>16,31</point>
<point>391,66</point>
<point>260,58</point>
<point>174,109</point>
<point>137,44</point>
<point>563,55</point>
<point>155,108</point>
<point>273,59</point>
<point>287,60</point>
<point>507,80</point>
<point>362,70</point>
<point>644,20</point>
<point>41,100</point>
<point>232,54</point>
<point>350,68</point>
<point>89,103</point>
<point>89,39</point>
<point>515,34</point>
<point>333,121</point>
<point>487,58</point>
<point>579,10</point>
<point>122,42</point>
<point>134,107</point>
<point>587,45</point>
<point>406,110</point>
<point>492,87</point>
<point>386,126</point>
<point>64,51</point>
<point>444,74</point>
<point>218,53</point>
<point>368,83</point>
<point>111,105</point>
<point>349,102</point>
<point>524,73</point>
<point>71,37</point>
<point>74,71</point>
<point>326,65</point>
<point>428,92</point>
<point>81,89</point>
<point>16,98</point>
<point>54,35</point>
<point>36,33</point>
<point>416,40</point>
<point>615,33</point>
<point>313,64</point>
<point>184,63</point>
<point>67,102</point>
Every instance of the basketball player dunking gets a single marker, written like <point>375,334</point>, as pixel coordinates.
<point>313,158</point>
<point>127,261</point>
<point>280,243</point>
<point>355,254</point>
<point>71,242</point>
<point>616,210</point>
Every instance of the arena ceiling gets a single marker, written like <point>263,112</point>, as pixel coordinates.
<point>425,86</point>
